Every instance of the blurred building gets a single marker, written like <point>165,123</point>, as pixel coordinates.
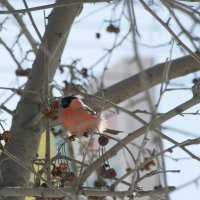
<point>127,124</point>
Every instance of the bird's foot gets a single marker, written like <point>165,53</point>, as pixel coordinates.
<point>72,138</point>
<point>86,134</point>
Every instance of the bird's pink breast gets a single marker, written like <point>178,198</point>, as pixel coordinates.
<point>78,120</point>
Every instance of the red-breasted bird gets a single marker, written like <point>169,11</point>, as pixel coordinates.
<point>78,118</point>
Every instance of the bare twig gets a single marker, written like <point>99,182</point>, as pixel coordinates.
<point>13,191</point>
<point>32,20</point>
<point>22,25</point>
<point>54,5</point>
<point>111,152</point>
<point>166,26</point>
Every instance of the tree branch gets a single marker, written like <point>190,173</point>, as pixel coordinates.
<point>22,25</point>
<point>132,86</point>
<point>54,5</point>
<point>132,136</point>
<point>17,191</point>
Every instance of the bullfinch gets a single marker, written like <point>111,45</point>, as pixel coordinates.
<point>78,118</point>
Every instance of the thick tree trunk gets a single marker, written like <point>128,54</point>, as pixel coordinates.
<point>26,129</point>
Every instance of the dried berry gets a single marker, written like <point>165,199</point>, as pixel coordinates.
<point>44,185</point>
<point>71,176</point>
<point>54,173</point>
<point>6,136</point>
<point>103,140</point>
<point>54,105</point>
<point>109,173</point>
<point>63,167</point>
<point>53,115</point>
<point>23,72</point>
<point>157,187</point>
<point>68,176</point>
<point>98,35</point>
<point>112,29</point>
<point>46,112</point>
<point>128,169</point>
<point>59,172</point>
<point>84,72</point>
<point>99,183</point>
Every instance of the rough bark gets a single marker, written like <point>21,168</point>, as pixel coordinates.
<point>25,133</point>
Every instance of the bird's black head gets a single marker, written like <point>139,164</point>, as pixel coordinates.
<point>66,101</point>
